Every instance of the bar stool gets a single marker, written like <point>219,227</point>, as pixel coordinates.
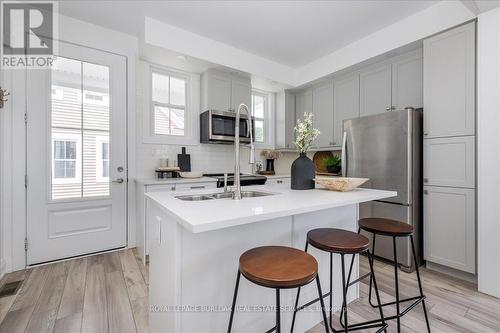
<point>394,229</point>
<point>277,267</point>
<point>343,242</point>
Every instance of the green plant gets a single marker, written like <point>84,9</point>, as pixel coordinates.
<point>332,161</point>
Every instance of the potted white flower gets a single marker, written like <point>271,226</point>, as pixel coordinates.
<point>303,172</point>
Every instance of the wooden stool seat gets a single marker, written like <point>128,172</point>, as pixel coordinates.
<point>278,266</point>
<point>386,227</point>
<point>338,240</point>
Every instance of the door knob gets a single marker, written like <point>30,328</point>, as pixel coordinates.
<point>118,180</point>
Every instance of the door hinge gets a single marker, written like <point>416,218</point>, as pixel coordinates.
<point>26,181</point>
<point>26,244</point>
<point>26,118</point>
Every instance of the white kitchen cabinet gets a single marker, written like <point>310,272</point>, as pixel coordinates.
<point>285,120</point>
<point>449,83</point>
<point>322,101</point>
<point>223,91</point>
<point>450,162</point>
<point>241,92</point>
<point>303,103</point>
<point>143,228</point>
<point>450,227</point>
<point>345,103</point>
<point>375,89</point>
<point>407,80</point>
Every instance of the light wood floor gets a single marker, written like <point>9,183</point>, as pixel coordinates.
<point>108,293</point>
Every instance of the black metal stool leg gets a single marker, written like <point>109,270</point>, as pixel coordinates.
<point>371,275</point>
<point>398,311</point>
<point>233,306</point>
<point>372,271</point>
<point>420,285</point>
<point>278,311</point>
<point>344,292</point>
<point>330,298</point>
<point>295,309</point>
<point>322,303</point>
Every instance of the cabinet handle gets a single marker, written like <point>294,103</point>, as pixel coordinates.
<point>280,182</point>
<point>388,109</point>
<point>426,192</point>
<point>426,180</point>
<point>195,187</point>
<point>172,188</point>
<point>426,133</point>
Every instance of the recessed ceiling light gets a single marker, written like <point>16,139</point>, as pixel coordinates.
<point>182,57</point>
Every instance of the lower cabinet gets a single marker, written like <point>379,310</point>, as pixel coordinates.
<point>450,227</point>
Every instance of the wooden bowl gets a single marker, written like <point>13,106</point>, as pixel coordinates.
<point>191,174</point>
<point>341,184</point>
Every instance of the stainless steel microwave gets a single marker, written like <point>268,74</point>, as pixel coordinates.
<point>218,127</point>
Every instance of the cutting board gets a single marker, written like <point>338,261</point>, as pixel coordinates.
<point>184,161</point>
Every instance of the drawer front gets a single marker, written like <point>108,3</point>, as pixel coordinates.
<point>450,162</point>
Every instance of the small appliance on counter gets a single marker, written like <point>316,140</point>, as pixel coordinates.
<point>245,180</point>
<point>167,172</point>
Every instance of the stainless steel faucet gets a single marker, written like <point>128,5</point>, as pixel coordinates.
<point>237,191</point>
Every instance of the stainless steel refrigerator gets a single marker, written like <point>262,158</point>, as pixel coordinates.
<point>387,149</point>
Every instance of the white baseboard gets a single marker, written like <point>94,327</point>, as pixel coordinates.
<point>3,268</point>
<point>452,272</point>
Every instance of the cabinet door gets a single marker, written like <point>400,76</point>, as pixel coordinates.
<point>449,227</point>
<point>375,89</point>
<point>303,103</point>
<point>323,113</point>
<point>241,92</point>
<point>450,162</point>
<point>407,80</point>
<point>219,92</point>
<point>449,83</point>
<point>345,104</point>
<point>289,120</point>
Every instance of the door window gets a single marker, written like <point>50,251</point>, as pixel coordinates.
<point>80,132</point>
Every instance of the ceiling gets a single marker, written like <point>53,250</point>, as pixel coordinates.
<point>293,33</point>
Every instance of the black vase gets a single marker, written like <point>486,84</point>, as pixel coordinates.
<point>303,173</point>
<point>270,165</point>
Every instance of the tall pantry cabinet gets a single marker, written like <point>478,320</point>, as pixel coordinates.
<point>449,149</point>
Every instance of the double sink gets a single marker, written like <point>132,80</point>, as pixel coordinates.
<point>223,195</point>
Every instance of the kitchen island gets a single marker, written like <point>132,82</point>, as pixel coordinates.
<point>196,245</point>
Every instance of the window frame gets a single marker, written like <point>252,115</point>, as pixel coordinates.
<point>99,160</point>
<point>67,137</point>
<point>191,109</point>
<point>269,100</point>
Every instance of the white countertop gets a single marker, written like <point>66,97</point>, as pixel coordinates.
<point>201,216</point>
<point>166,181</point>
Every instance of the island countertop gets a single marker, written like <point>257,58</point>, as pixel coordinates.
<point>209,215</point>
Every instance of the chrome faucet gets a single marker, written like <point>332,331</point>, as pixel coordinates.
<point>237,190</point>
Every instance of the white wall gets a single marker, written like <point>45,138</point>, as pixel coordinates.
<point>488,137</point>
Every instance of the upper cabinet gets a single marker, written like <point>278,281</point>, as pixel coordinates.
<point>303,103</point>
<point>223,91</point>
<point>285,120</point>
<point>449,83</point>
<point>375,89</point>
<point>241,92</point>
<point>345,103</point>
<point>322,108</point>
<point>407,80</point>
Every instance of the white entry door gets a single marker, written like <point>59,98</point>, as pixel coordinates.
<point>76,155</point>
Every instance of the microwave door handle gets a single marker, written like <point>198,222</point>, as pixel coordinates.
<point>344,155</point>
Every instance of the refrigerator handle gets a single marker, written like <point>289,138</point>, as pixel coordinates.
<point>344,155</point>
